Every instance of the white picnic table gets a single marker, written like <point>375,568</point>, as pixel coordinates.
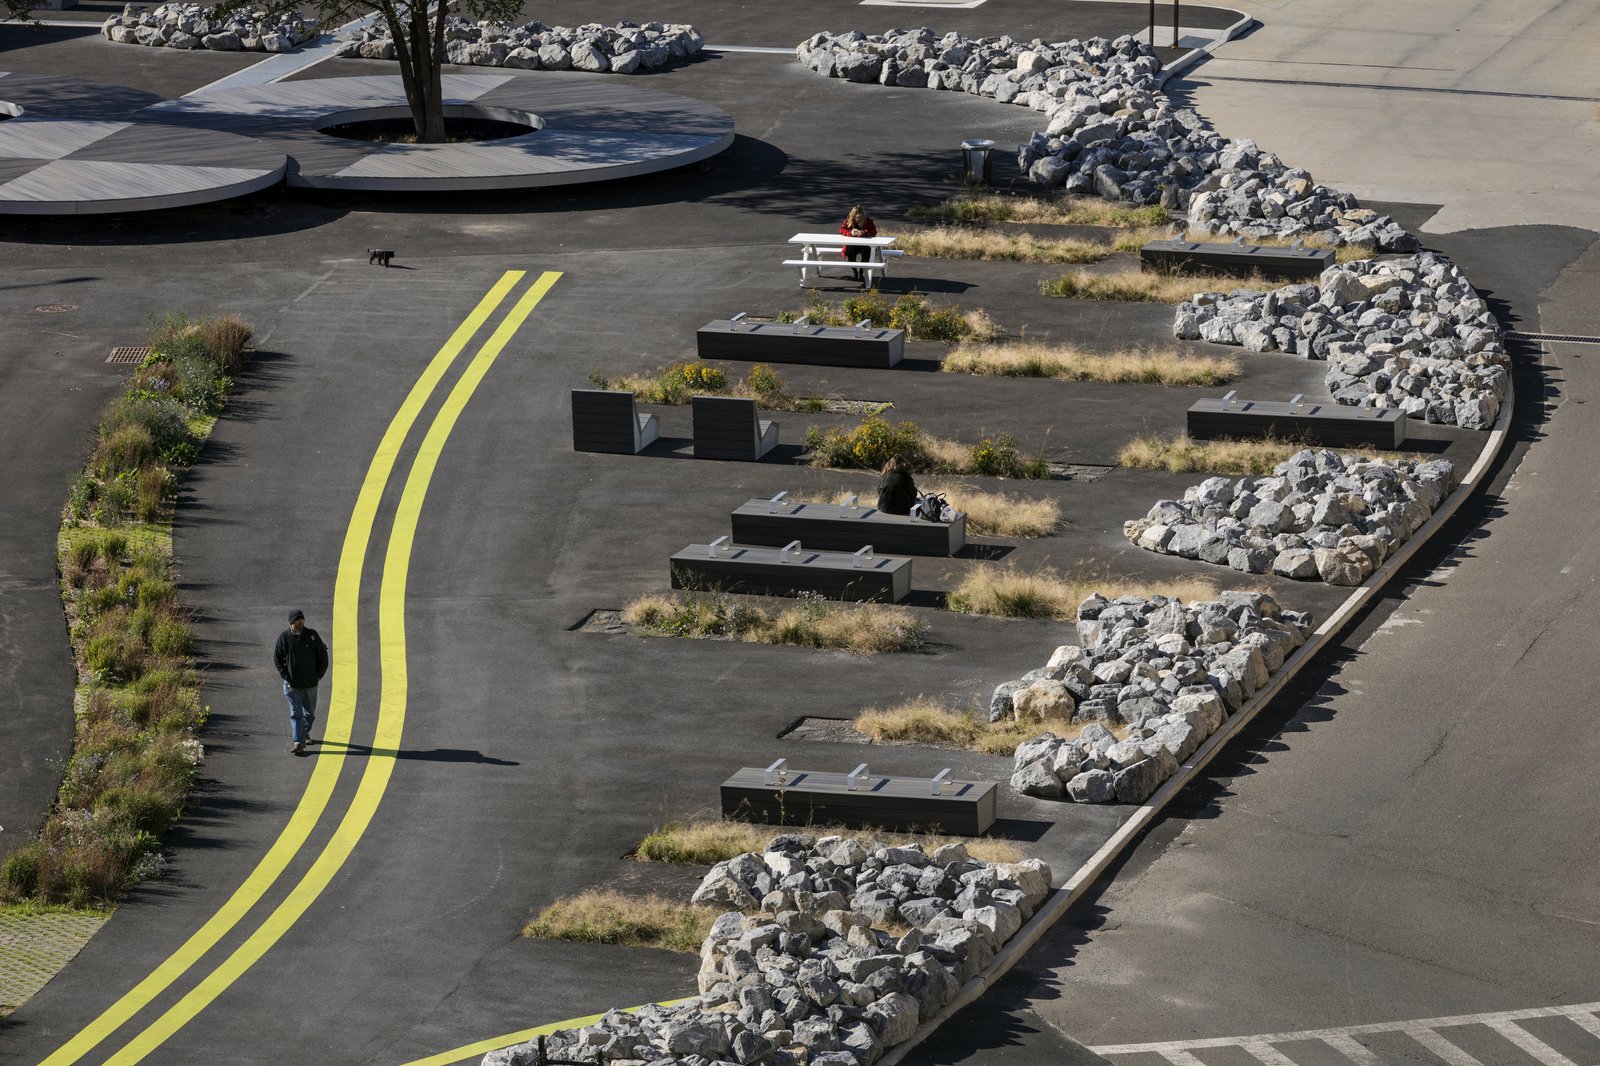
<point>818,250</point>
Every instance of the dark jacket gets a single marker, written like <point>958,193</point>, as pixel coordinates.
<point>896,493</point>
<point>301,660</point>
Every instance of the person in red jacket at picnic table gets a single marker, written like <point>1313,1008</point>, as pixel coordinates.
<point>858,224</point>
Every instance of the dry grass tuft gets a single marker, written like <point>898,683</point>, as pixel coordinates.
<point>812,622</point>
<point>1056,211</point>
<point>951,242</point>
<point>1007,592</point>
<point>1137,286</point>
<point>606,916</point>
<point>706,841</point>
<point>1033,359</point>
<point>1184,455</point>
<point>927,721</point>
<point>997,514</point>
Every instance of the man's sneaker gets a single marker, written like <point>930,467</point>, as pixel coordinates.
<point>296,748</point>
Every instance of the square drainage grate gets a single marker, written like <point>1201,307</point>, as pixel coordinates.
<point>128,354</point>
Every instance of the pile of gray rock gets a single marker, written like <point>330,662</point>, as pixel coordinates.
<point>1409,333</point>
<point>1111,131</point>
<point>1150,679</point>
<point>802,973</point>
<point>625,48</point>
<point>1320,516</point>
<point>197,26</point>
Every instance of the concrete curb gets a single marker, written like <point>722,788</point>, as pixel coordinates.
<point>1074,888</point>
<point>1195,55</point>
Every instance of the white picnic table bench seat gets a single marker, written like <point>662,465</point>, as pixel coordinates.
<point>818,250</point>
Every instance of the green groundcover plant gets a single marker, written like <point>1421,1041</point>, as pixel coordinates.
<point>138,708</point>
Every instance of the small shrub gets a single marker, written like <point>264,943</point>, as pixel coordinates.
<point>171,638</point>
<point>138,810</point>
<point>945,242</point>
<point>869,445</point>
<point>125,450</point>
<point>19,876</point>
<point>163,417</point>
<point>200,385</point>
<point>994,514</point>
<point>1059,211</point>
<point>912,312</point>
<point>999,458</point>
<point>1184,455</point>
<point>920,721</point>
<point>114,547</point>
<point>606,916</point>
<point>81,496</point>
<point>864,629</point>
<point>225,337</point>
<point>1140,287</point>
<point>1045,593</point>
<point>765,383</point>
<point>84,552</point>
<point>1035,360</point>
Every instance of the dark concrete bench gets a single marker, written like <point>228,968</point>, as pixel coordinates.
<point>779,796</point>
<point>790,570</point>
<point>836,527</point>
<point>1188,257</point>
<point>726,427</point>
<point>1315,423</point>
<point>800,342</point>
<point>608,422</point>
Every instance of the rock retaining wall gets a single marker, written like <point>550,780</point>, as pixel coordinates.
<point>1160,674</point>
<point>1111,131</point>
<point>1320,516</point>
<point>803,972</point>
<point>625,48</point>
<point>1410,333</point>
<point>190,26</point>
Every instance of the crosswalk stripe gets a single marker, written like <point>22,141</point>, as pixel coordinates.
<point>1179,1057</point>
<point>1587,1022</point>
<point>1531,1044</point>
<point>1351,1050</point>
<point>1436,1043</point>
<point>1266,1053</point>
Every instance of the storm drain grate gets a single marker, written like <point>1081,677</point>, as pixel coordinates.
<point>56,309</point>
<point>1570,338</point>
<point>129,353</point>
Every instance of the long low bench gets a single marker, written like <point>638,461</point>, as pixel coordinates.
<point>1190,257</point>
<point>842,527</point>
<point>779,796</point>
<point>790,570</point>
<point>1314,423</point>
<point>800,342</point>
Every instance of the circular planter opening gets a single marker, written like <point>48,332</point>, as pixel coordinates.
<point>462,124</point>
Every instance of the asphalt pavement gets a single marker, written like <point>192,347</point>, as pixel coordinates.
<point>534,756</point>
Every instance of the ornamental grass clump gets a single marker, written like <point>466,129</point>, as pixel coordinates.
<point>1059,211</point>
<point>927,721</point>
<point>1137,286</point>
<point>951,242</point>
<point>607,916</point>
<point>135,753</point>
<point>1185,455</point>
<point>811,622</point>
<point>708,841</point>
<point>876,440</point>
<point>677,384</point>
<point>921,319</point>
<point>1035,359</point>
<point>1009,592</point>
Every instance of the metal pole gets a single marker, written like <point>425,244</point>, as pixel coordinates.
<point>1152,23</point>
<point>1175,4</point>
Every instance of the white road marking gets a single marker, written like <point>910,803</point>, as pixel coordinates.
<point>1530,1043</point>
<point>1582,1014</point>
<point>1269,1055</point>
<point>1352,1049</point>
<point>1448,1052</point>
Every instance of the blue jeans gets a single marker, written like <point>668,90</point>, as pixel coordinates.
<point>302,711</point>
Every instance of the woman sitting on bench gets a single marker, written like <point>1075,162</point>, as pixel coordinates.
<point>858,224</point>
<point>896,490</point>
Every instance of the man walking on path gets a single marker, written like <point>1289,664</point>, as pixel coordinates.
<point>301,659</point>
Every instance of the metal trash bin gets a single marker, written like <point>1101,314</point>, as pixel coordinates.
<point>978,157</point>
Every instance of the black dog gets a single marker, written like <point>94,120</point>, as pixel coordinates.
<point>379,255</point>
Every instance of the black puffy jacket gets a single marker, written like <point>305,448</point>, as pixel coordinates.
<point>896,493</point>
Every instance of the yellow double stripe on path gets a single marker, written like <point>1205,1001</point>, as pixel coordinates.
<point>342,703</point>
